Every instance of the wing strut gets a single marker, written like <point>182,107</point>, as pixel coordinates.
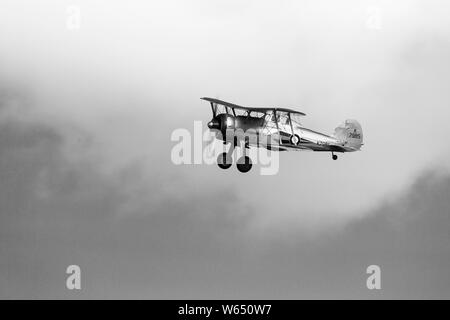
<point>278,129</point>
<point>213,109</point>
<point>290,122</point>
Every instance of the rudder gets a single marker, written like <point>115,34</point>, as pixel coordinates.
<point>350,132</point>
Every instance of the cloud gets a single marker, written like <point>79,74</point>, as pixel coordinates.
<point>56,206</point>
<point>133,240</point>
<point>130,75</point>
<point>85,151</point>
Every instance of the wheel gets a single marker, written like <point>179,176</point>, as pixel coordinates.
<point>224,161</point>
<point>334,157</point>
<point>244,164</point>
<point>295,139</point>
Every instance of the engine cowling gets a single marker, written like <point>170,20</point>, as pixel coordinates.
<point>222,122</point>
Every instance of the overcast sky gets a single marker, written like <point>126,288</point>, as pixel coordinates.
<point>86,177</point>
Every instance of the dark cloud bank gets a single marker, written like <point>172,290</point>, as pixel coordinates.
<point>133,241</point>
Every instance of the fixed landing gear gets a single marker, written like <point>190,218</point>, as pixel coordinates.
<point>244,164</point>
<point>224,161</point>
<point>333,156</point>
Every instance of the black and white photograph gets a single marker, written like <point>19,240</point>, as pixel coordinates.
<point>211,150</point>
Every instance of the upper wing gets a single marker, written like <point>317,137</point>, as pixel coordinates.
<point>224,103</point>
<point>264,109</point>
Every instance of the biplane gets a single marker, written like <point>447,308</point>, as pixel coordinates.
<point>277,129</point>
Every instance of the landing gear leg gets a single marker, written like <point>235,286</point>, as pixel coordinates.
<point>244,163</point>
<point>334,156</point>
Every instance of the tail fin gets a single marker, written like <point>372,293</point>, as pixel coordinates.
<point>350,133</point>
